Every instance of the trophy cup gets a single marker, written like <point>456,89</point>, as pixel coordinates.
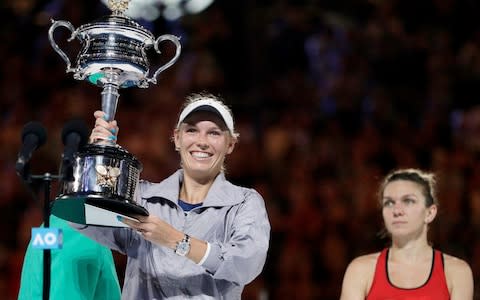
<point>112,56</point>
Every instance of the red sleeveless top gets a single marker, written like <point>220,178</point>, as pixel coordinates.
<point>435,288</point>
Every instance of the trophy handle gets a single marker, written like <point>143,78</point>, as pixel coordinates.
<point>69,26</point>
<point>176,41</point>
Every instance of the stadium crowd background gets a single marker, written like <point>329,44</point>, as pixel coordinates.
<point>328,96</point>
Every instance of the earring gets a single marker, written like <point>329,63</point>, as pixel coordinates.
<point>177,149</point>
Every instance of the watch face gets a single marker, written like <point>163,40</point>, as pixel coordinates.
<point>183,247</point>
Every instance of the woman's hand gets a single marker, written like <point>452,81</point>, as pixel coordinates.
<point>104,132</point>
<point>161,233</point>
<point>155,230</point>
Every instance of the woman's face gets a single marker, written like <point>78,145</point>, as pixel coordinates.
<point>203,142</point>
<point>404,210</point>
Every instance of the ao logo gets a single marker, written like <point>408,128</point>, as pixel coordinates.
<point>47,238</point>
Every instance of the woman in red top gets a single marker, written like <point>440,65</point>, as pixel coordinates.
<point>410,269</point>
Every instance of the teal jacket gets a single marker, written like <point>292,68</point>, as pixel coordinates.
<point>81,270</point>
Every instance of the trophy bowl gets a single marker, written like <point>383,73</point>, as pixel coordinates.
<point>114,50</point>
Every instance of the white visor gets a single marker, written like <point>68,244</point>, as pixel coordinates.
<point>208,105</point>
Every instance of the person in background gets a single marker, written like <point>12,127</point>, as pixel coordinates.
<point>204,238</point>
<point>410,268</point>
<point>81,270</point>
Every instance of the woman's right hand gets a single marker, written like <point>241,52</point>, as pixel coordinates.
<point>104,132</point>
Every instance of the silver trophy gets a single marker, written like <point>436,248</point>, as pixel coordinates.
<point>112,56</point>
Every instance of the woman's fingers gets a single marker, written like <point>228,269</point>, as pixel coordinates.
<point>103,130</point>
<point>98,114</point>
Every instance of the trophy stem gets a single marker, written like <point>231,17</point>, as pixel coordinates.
<point>109,100</point>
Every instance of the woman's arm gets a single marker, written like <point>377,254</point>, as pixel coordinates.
<point>242,257</point>
<point>118,239</point>
<point>358,277</point>
<point>459,278</point>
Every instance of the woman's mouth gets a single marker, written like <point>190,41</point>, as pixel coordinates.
<point>200,155</point>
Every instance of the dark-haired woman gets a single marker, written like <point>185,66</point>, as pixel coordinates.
<point>410,268</point>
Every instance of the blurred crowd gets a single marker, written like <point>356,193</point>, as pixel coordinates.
<point>328,97</point>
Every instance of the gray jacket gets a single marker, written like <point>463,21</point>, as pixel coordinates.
<point>232,219</point>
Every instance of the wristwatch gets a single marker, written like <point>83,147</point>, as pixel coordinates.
<point>183,247</point>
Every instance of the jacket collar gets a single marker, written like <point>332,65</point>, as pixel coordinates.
<point>221,193</point>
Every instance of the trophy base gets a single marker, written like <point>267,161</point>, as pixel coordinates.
<point>95,210</point>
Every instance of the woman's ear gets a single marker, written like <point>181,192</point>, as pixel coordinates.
<point>176,139</point>
<point>231,145</point>
<point>431,213</point>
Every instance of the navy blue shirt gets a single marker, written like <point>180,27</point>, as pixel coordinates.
<point>187,206</point>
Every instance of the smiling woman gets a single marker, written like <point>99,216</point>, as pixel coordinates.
<point>205,238</point>
<point>410,268</point>
<point>204,136</point>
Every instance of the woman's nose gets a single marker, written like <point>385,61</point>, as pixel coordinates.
<point>202,141</point>
<point>398,210</point>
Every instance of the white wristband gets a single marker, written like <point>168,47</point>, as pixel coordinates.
<point>204,258</point>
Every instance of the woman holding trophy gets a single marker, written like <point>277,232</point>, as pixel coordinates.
<point>204,238</point>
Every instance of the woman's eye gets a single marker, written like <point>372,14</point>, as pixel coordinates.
<point>215,132</point>
<point>190,129</point>
<point>387,203</point>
